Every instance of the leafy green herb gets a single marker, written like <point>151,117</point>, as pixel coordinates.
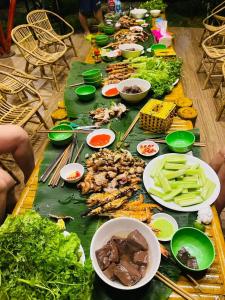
<point>38,262</point>
<point>153,4</point>
<point>160,72</point>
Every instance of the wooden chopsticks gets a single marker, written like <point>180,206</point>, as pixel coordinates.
<point>66,131</point>
<point>174,286</point>
<point>161,141</point>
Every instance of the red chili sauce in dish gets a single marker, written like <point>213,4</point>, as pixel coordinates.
<point>112,92</point>
<point>147,149</point>
<point>99,140</point>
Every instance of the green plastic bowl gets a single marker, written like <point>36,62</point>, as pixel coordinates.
<point>180,141</point>
<point>197,243</point>
<point>85,92</point>
<point>61,139</point>
<point>109,30</point>
<point>102,43</point>
<point>91,73</point>
<point>96,78</point>
<point>101,37</point>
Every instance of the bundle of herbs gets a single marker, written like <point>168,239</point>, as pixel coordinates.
<point>38,262</point>
<point>160,72</point>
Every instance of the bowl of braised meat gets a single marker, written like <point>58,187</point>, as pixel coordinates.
<point>133,90</point>
<point>125,253</point>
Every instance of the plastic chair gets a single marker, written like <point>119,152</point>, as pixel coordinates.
<point>41,19</point>
<point>34,52</point>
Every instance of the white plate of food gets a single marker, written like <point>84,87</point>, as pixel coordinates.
<point>100,138</point>
<point>195,185</point>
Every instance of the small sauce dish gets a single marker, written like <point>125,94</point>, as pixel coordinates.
<point>166,225</point>
<point>72,172</point>
<point>147,148</point>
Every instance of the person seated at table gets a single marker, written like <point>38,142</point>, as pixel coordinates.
<point>88,8</point>
<point>218,164</point>
<point>14,140</point>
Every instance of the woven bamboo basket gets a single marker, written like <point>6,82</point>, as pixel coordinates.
<point>157,116</point>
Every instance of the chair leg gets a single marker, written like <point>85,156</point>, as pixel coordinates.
<point>218,88</point>
<point>74,49</point>
<point>54,78</point>
<point>220,111</point>
<point>41,119</point>
<point>202,37</point>
<point>66,62</point>
<point>209,75</point>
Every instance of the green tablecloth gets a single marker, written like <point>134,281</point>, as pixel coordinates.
<point>48,200</point>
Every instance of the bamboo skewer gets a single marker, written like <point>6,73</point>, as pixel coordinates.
<point>130,127</point>
<point>73,145</point>
<point>52,166</point>
<point>173,286</point>
<point>61,165</point>
<point>58,168</point>
<point>78,153</point>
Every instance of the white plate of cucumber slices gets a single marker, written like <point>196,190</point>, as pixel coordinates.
<point>181,182</point>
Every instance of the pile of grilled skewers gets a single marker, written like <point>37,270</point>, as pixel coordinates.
<point>117,72</point>
<point>127,36</point>
<point>127,22</point>
<point>109,170</point>
<point>117,204</point>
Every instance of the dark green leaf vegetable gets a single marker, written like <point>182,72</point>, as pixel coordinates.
<point>153,4</point>
<point>160,72</point>
<point>38,262</point>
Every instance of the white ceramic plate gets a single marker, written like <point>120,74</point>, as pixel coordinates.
<point>82,258</point>
<point>108,87</point>
<point>191,160</point>
<point>156,148</point>
<point>100,131</point>
<point>169,219</point>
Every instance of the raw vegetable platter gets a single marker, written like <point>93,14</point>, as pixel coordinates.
<point>191,161</point>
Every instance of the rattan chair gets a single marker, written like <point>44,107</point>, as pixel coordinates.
<point>217,15</point>
<point>23,113</point>
<point>41,18</point>
<point>212,24</point>
<point>222,99</point>
<point>213,55</point>
<point>9,86</point>
<point>34,53</point>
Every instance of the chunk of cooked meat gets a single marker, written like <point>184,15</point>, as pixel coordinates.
<point>121,244</point>
<point>136,241</point>
<point>132,269</point>
<point>141,258</point>
<point>123,275</point>
<point>102,256</point>
<point>109,272</point>
<point>114,253</point>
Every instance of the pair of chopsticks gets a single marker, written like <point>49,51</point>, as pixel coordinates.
<point>66,131</point>
<point>171,284</point>
<point>161,141</point>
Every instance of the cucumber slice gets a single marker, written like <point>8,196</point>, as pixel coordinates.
<point>208,189</point>
<point>187,197</point>
<point>192,172</point>
<point>157,167</point>
<point>171,166</point>
<point>202,177</point>
<point>156,193</point>
<point>176,174</point>
<point>193,201</point>
<point>164,182</point>
<point>185,185</point>
<point>172,194</point>
<point>178,159</point>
